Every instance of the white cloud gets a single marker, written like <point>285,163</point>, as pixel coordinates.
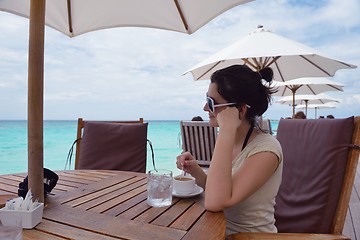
<point>66,96</point>
<point>341,13</point>
<point>352,100</point>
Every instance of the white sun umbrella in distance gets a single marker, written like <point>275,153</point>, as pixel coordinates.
<point>75,17</point>
<point>301,86</point>
<point>318,106</point>
<point>262,48</point>
<point>306,100</point>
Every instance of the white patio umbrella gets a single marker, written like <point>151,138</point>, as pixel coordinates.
<point>301,86</point>
<point>263,48</point>
<point>305,100</point>
<point>318,106</point>
<point>75,17</point>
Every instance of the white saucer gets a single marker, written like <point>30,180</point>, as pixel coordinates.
<point>198,190</point>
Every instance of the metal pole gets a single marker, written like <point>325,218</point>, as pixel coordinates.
<point>293,104</point>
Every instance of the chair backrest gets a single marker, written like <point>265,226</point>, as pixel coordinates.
<point>266,125</point>
<point>320,163</point>
<point>113,145</point>
<point>198,138</point>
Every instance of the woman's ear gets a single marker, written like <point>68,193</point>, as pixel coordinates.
<point>242,111</point>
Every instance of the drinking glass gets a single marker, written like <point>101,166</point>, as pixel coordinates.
<point>159,187</point>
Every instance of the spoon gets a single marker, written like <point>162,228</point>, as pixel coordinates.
<point>183,172</point>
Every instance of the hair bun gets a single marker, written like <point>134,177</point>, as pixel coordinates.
<point>267,74</point>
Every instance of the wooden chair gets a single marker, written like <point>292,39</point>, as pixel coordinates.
<point>198,138</point>
<point>320,162</point>
<point>266,125</point>
<point>114,145</point>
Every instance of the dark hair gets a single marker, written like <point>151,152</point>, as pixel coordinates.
<point>300,115</point>
<point>197,118</point>
<point>240,84</point>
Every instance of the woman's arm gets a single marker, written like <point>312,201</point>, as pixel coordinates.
<point>255,172</point>
<point>219,179</point>
<point>223,189</point>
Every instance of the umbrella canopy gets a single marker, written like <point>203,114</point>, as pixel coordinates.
<point>262,48</point>
<point>318,106</point>
<point>74,17</point>
<point>321,98</point>
<point>306,86</point>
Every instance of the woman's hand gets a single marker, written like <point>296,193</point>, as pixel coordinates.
<point>186,162</point>
<point>229,118</point>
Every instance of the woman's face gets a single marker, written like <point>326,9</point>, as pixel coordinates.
<point>218,99</point>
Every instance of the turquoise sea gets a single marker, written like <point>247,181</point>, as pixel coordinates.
<point>59,136</point>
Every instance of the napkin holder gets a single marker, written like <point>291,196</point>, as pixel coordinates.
<point>21,218</point>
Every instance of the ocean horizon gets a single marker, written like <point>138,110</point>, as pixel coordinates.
<point>59,135</point>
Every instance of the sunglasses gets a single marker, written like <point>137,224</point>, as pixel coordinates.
<point>211,104</point>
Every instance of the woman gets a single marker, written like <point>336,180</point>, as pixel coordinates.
<point>246,167</point>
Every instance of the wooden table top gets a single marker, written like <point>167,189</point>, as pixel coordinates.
<point>102,204</point>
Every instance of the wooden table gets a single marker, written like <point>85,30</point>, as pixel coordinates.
<point>101,204</point>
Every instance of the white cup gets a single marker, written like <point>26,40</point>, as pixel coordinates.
<point>184,184</point>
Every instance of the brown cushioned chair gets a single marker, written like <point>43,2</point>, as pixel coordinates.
<point>198,138</point>
<point>119,145</point>
<point>320,160</point>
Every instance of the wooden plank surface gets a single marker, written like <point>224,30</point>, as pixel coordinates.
<point>286,236</point>
<point>90,204</point>
<point>128,204</point>
<point>204,225</point>
<point>134,208</point>
<point>106,225</point>
<point>186,220</point>
<point>52,230</point>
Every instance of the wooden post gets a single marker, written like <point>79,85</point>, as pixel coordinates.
<point>35,99</point>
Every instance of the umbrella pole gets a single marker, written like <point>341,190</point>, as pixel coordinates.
<point>293,104</point>
<point>306,105</point>
<point>35,99</point>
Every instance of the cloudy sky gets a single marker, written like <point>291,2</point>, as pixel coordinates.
<point>126,73</point>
